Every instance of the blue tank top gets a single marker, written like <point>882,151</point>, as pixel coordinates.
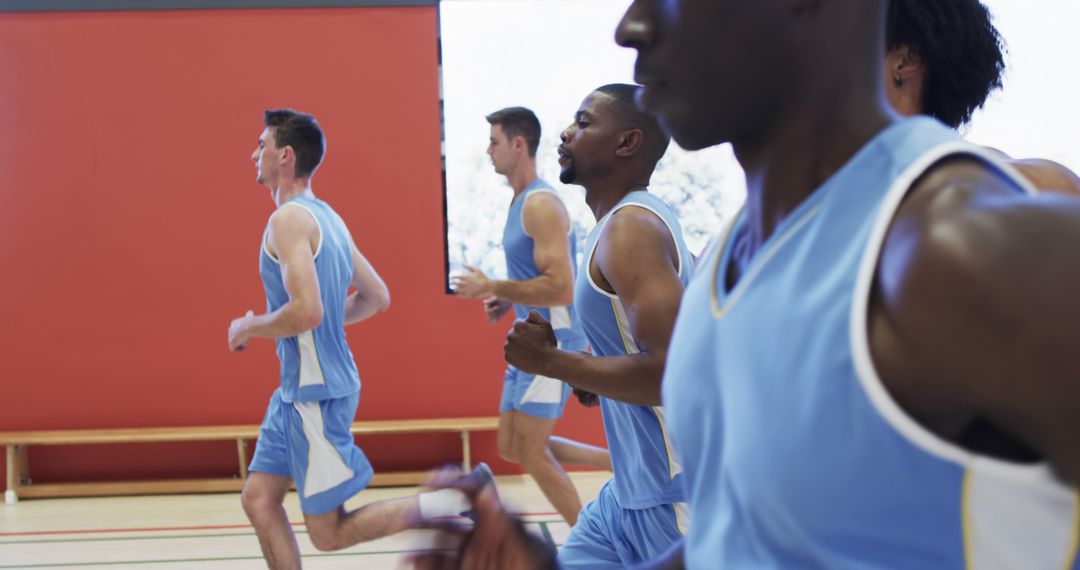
<point>795,454</point>
<point>521,265</point>
<point>316,364</point>
<point>647,472</point>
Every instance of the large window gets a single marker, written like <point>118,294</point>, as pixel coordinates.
<point>1035,115</point>
<point>547,55</point>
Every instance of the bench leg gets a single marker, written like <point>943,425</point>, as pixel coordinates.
<point>241,451</point>
<point>466,460</point>
<point>18,472</point>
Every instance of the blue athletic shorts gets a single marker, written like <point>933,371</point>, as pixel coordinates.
<point>537,396</point>
<point>311,442</point>
<point>609,536</point>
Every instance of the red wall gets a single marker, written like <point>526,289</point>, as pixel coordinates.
<point>130,223</point>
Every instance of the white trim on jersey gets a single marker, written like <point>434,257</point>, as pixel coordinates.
<point>623,322</point>
<point>860,344</point>
<point>1014,515</point>
<point>756,266</point>
<point>604,221</point>
<point>682,517</point>
<point>560,318</point>
<point>1038,521</point>
<point>674,464</point>
<point>543,390</point>
<point>311,373</point>
<point>318,248</point>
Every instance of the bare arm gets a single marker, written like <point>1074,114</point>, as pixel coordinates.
<point>635,255</point>
<point>371,296</point>
<point>976,313</point>
<point>1048,175</point>
<point>291,234</point>
<point>548,223</point>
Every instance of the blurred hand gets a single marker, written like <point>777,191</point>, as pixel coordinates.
<point>587,399</point>
<point>495,308</point>
<point>474,285</point>
<point>530,344</point>
<point>497,540</point>
<point>238,333</point>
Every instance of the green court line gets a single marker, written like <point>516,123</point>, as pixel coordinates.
<point>222,559</point>
<point>114,539</point>
<point>547,535</point>
<point>543,527</point>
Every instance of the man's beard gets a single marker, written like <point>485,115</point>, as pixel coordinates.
<point>568,174</point>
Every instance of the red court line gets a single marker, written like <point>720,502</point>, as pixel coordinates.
<point>175,528</point>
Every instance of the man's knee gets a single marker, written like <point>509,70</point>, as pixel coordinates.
<point>259,498</point>
<point>323,530</point>
<point>530,450</point>
<point>324,540</point>
<point>505,441</point>
<point>507,451</point>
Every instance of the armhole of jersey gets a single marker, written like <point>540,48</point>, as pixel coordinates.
<point>679,251</point>
<point>570,229</point>
<point>318,248</point>
<point>712,262</point>
<point>883,403</point>
<point>266,246</point>
<point>592,251</point>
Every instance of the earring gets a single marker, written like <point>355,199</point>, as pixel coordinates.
<point>897,80</point>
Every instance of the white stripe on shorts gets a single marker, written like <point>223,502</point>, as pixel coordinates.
<point>326,469</point>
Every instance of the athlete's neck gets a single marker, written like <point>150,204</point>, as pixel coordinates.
<point>601,198</point>
<point>787,164</point>
<point>833,103</point>
<point>291,189</point>
<point>523,175</point>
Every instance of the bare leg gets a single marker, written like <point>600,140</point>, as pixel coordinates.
<point>262,499</point>
<point>570,452</point>
<point>531,448</point>
<point>338,529</point>
<point>505,437</point>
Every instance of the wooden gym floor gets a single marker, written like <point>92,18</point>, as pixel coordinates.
<point>211,532</point>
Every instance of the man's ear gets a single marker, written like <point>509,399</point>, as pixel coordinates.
<point>519,143</point>
<point>630,143</point>
<point>287,153</point>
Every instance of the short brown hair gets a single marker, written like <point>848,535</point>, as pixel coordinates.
<point>518,122</point>
<point>300,131</point>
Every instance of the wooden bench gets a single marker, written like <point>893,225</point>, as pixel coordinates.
<point>19,483</point>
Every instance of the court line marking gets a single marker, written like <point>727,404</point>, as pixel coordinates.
<point>218,559</point>
<point>542,524</point>
<point>174,528</point>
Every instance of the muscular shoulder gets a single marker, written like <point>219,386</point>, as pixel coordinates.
<point>543,210</point>
<point>291,223</point>
<point>635,233</point>
<point>1048,175</point>
<point>972,316</point>
<point>962,220</point>
<point>960,256</point>
<point>951,231</point>
<point>638,226</point>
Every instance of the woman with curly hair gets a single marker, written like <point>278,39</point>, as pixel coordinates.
<point>944,59</point>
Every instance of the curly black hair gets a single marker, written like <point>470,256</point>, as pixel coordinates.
<point>960,49</point>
